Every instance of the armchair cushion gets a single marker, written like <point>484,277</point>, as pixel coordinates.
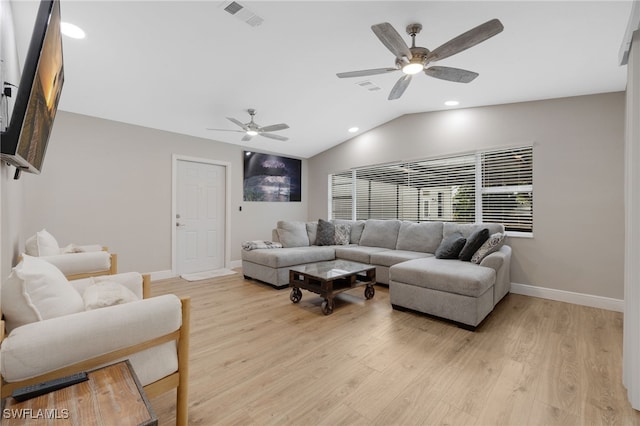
<point>73,338</point>
<point>79,263</point>
<point>36,290</point>
<point>130,280</point>
<point>42,244</point>
<point>107,293</point>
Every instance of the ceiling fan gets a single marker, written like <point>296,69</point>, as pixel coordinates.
<point>412,60</point>
<point>252,129</point>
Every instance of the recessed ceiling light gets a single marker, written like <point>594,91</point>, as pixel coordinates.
<point>452,103</point>
<point>71,30</point>
<point>353,129</point>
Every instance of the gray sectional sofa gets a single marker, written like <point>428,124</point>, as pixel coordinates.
<point>404,254</point>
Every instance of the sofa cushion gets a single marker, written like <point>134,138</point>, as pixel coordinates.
<point>492,244</point>
<point>474,242</point>
<point>312,231</point>
<point>292,233</point>
<point>42,244</point>
<point>391,257</point>
<point>450,247</point>
<point>448,275</point>
<point>424,236</point>
<point>360,254</point>
<point>466,229</point>
<point>380,233</point>
<point>36,290</point>
<point>326,233</point>
<point>284,257</point>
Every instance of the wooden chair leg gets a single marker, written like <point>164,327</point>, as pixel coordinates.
<point>182,394</point>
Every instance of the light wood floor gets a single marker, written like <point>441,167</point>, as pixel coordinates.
<point>258,359</point>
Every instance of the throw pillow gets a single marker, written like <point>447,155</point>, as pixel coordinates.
<point>493,244</point>
<point>325,235</point>
<point>342,234</point>
<point>42,244</point>
<point>107,293</point>
<point>292,234</point>
<point>450,247</point>
<point>474,242</point>
<point>36,290</point>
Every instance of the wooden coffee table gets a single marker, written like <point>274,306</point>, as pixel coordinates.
<point>330,278</point>
<point>112,396</point>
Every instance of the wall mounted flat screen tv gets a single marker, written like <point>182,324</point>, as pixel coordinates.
<point>24,143</point>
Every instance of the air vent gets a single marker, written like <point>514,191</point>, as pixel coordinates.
<point>368,85</point>
<point>242,13</point>
<point>233,7</point>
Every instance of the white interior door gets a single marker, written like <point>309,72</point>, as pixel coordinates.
<point>200,216</point>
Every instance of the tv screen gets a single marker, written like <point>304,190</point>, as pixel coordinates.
<point>24,143</point>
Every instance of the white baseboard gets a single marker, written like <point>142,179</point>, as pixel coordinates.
<point>569,297</point>
<point>161,275</point>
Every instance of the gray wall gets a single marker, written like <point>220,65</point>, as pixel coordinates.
<point>110,183</point>
<point>578,242</point>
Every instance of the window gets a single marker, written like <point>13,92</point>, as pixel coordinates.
<point>490,186</point>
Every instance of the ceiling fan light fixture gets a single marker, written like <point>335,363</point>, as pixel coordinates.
<point>412,68</point>
<point>452,103</point>
<point>252,132</point>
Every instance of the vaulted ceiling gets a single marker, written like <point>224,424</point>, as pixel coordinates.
<point>183,66</point>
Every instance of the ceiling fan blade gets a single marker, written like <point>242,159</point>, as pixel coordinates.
<point>246,138</point>
<point>274,127</point>
<point>363,73</point>
<point>272,136</point>
<point>236,122</point>
<point>392,40</point>
<point>226,130</point>
<point>451,74</point>
<point>400,86</point>
<point>466,40</point>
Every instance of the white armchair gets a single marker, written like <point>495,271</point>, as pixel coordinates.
<point>75,261</point>
<point>153,333</point>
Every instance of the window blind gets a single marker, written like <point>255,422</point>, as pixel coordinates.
<point>507,188</point>
<point>491,186</point>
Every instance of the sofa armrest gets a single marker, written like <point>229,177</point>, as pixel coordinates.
<point>74,338</point>
<point>500,261</point>
<point>134,281</point>
<point>494,261</point>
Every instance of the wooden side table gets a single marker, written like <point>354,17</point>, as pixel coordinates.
<point>112,396</point>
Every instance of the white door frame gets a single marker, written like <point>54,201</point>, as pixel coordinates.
<point>174,203</point>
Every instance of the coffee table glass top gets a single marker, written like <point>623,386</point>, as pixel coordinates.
<point>332,269</point>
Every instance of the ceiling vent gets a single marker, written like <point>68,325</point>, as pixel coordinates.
<point>367,84</point>
<point>242,13</point>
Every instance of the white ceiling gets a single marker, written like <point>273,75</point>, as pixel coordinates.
<point>184,66</point>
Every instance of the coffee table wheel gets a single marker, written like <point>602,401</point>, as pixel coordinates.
<point>369,292</point>
<point>295,295</point>
<point>327,306</point>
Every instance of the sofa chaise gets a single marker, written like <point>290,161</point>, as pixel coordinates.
<point>411,258</point>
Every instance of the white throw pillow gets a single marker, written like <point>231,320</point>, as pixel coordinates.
<point>42,244</point>
<point>493,244</point>
<point>107,293</point>
<point>36,290</point>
